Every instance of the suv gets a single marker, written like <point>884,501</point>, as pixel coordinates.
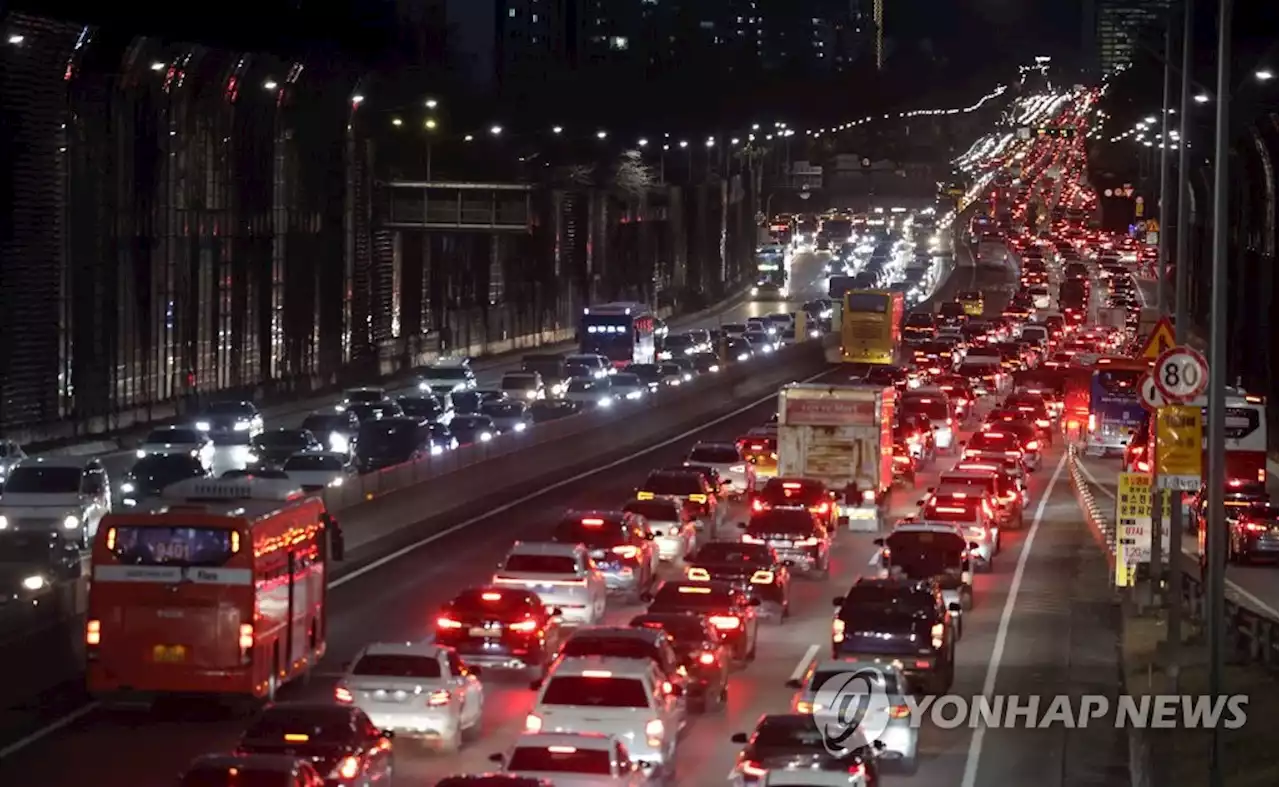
<point>67,495</point>
<point>618,642</point>
<point>972,515</point>
<point>620,544</point>
<point>898,620</point>
<point>686,487</point>
<point>628,699</point>
<point>998,489</point>
<point>796,535</point>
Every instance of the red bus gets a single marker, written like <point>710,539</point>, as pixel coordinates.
<point>218,589</point>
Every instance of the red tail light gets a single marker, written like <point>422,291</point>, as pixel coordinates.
<point>726,622</point>
<point>342,695</point>
<point>448,623</point>
<point>821,509</point>
<point>524,626</point>
<point>706,659</point>
<point>756,505</point>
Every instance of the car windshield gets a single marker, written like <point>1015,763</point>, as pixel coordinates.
<point>240,409</point>
<point>678,484</point>
<point>397,665</point>
<point>174,436</point>
<point>935,408</point>
<point>313,462</point>
<point>626,381</point>
<point>542,564</point>
<point>492,602</point>
<point>925,554</point>
<point>39,480</point>
<point>283,439</point>
<point>673,595</point>
<point>448,373</point>
<point>993,441</point>
<point>519,382</point>
<point>165,470</point>
<point>317,724</point>
<point>504,409</point>
<point>877,680</point>
<point>581,386</point>
<point>244,776</point>
<point>654,510</point>
<point>470,423</point>
<point>624,647</point>
<point>387,434</point>
<point>602,691</point>
<point>715,454</point>
<point>323,424</point>
<point>29,547</point>
<point>683,629</point>
<point>467,401</point>
<point>733,552</point>
<point>560,759</point>
<point>366,395</point>
<point>419,406</point>
<point>952,509</point>
<point>154,545</point>
<point>593,531</point>
<point>796,522</point>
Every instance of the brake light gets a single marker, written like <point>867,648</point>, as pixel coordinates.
<point>754,770</point>
<point>757,505</point>
<point>1042,423</point>
<point>762,578</point>
<point>696,590</point>
<point>448,623</point>
<point>593,522</point>
<point>725,622</point>
<point>837,630</point>
<point>746,539</point>
<point>349,768</point>
<point>653,732</point>
<point>1093,422</point>
<point>790,485</point>
<point>706,659</point>
<point>1033,445</point>
<point>342,695</point>
<point>246,636</point>
<point>698,574</point>
<point>948,510</point>
<point>524,626</point>
<point>533,723</point>
<point>626,552</point>
<point>93,633</point>
<point>936,634</point>
<point>1254,527</point>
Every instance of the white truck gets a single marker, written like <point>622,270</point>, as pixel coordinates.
<point>841,435</point>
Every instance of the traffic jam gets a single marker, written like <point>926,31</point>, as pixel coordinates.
<point>611,633</point>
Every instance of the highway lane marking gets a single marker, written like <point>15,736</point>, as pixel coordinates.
<point>805,661</point>
<point>1002,633</point>
<point>48,729</point>
<point>1093,480</point>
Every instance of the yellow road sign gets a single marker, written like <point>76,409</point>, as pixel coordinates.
<point>1161,339</point>
<point>1179,446</point>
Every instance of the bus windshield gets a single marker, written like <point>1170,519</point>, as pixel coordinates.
<point>866,303</point>
<point>1119,382</point>
<point>181,547</point>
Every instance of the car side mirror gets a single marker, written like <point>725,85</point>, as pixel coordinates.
<point>495,758</point>
<point>878,542</point>
<point>794,683</point>
<point>739,737</point>
<point>953,607</point>
<point>974,545</point>
<point>837,601</point>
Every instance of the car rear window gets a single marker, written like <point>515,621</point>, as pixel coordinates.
<point>560,759</point>
<point>593,531</point>
<point>596,692</point>
<point>798,522</point>
<point>397,665</point>
<point>673,484</point>
<point>654,510</point>
<point>542,564</point>
<point>714,454</point>
<point>779,492</point>
<point>933,408</point>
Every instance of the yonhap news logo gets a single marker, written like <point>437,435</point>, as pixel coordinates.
<point>852,709</point>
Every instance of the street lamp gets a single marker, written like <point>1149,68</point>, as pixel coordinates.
<point>711,143</point>
<point>430,124</point>
<point>469,138</point>
<point>557,129</point>
<point>1263,75</point>
<point>495,130</point>
<point>270,84</point>
<point>643,142</point>
<point>684,143</point>
<point>397,122</point>
<point>602,134</point>
<point>432,103</point>
<point>1202,98</point>
<point>1149,120</point>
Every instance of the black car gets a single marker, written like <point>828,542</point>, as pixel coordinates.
<point>699,651</point>
<point>336,429</point>
<point>34,564</point>
<point>553,410</point>
<point>754,567</point>
<point>424,407</point>
<point>493,780</point>
<point>391,441</point>
<point>796,534</point>
<point>243,770</point>
<point>730,610</point>
<point>626,643</point>
<point>273,447</point>
<point>231,423</point>
<point>375,411</point>
<point>340,741</point>
<point>471,429</point>
<point>501,627</point>
<point>798,741</point>
<point>151,474</point>
<point>902,620</point>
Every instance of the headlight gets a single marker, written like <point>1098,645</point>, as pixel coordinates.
<point>715,367</point>
<point>33,582</point>
<point>532,393</point>
<point>436,450</point>
<point>126,487</point>
<point>485,437</point>
<point>755,290</point>
<point>520,427</point>
<point>203,426</point>
<point>250,457</point>
<point>140,453</point>
<point>71,522</point>
<point>339,443</point>
<point>129,501</point>
<point>634,394</point>
<point>424,386</point>
<point>4,522</point>
<point>687,377</point>
<point>336,482</point>
<point>743,356</point>
<point>243,426</point>
<point>814,334</point>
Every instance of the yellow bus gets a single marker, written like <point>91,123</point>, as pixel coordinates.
<point>871,326</point>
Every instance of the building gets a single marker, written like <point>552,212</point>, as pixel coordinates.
<point>1118,26</point>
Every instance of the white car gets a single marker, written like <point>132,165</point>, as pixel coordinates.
<point>230,422</point>
<point>563,576</point>
<point>11,454</point>
<point>178,440</point>
<point>675,535</point>
<point>628,386</point>
<point>738,475</point>
<point>315,470</point>
<point>66,494</point>
<point>415,689</point>
<point>446,377</point>
<point>599,365</point>
<point>581,759</point>
<point>588,392</point>
<point>523,385</point>
<point>624,698</point>
<point>884,708</point>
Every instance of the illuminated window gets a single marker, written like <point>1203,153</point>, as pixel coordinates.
<point>618,43</point>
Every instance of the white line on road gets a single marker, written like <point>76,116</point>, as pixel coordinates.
<point>1093,480</point>
<point>53,727</point>
<point>1002,633</point>
<point>874,560</point>
<point>805,661</point>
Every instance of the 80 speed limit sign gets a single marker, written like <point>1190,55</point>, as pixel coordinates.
<point>1181,374</point>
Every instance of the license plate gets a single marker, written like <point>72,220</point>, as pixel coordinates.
<point>168,654</point>
<point>779,543</point>
<point>483,632</point>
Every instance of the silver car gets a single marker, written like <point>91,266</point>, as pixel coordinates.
<point>880,689</point>
<point>737,474</point>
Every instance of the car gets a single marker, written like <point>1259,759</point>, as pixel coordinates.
<point>470,429</point>
<point>367,412</point>
<point>724,604</point>
<point>415,689</point>
<point>995,441</point>
<point>316,470</point>
<point>579,758</point>
<point>151,474</point>
<point>797,535</point>
<point>501,627</point>
<point>738,474</point>
<point>935,405</point>
<point>509,416</point>
<point>930,551</point>
<point>687,487</point>
<point>598,366</point>
<point>589,391</point>
<point>337,429</point>
<point>183,440</point>
<point>446,377</point>
<point>625,642</point>
<point>625,698</point>
<point>700,652</point>
<point>272,447</point>
<point>524,385</point>
<point>782,742</point>
<point>1030,437</point>
<point>885,705</point>
<point>563,575</point>
<point>672,524</point>
<point>798,493</point>
<point>898,620</point>
<point>754,567</point>
<point>341,741</point>
<point>36,568</point>
<point>426,407</point>
<point>620,545</point>
<point>237,770</point>
<point>999,491</point>
<point>364,395</point>
<point>56,494</point>
<point>231,422</point>
<point>628,387</point>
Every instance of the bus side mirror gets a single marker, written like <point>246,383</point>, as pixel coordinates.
<point>878,542</point>
<point>337,544</point>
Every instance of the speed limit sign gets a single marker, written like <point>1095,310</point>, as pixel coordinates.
<point>1149,393</point>
<point>1181,374</point>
